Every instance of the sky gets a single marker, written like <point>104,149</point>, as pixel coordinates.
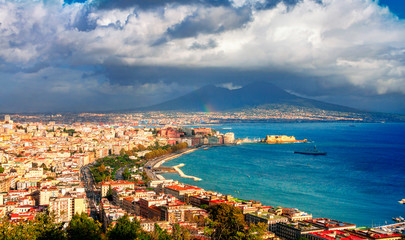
<point>96,55</point>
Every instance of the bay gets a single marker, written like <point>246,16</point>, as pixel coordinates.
<point>360,180</point>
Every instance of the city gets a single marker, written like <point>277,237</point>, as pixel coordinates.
<point>109,171</point>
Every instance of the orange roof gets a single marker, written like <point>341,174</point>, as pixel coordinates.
<point>180,188</point>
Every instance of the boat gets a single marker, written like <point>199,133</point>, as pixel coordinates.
<point>310,151</point>
<point>402,201</point>
<point>398,219</point>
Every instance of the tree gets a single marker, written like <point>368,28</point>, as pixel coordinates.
<point>125,229</point>
<point>227,222</point>
<point>256,231</point>
<point>101,168</point>
<point>159,234</point>
<point>41,228</point>
<point>83,227</point>
<point>126,174</point>
<point>1,169</point>
<point>47,228</point>
<point>141,147</point>
<point>122,152</point>
<point>180,233</point>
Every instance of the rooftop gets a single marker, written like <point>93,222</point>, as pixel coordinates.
<point>336,234</point>
<point>329,223</point>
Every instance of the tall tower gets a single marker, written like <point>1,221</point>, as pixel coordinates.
<point>7,118</point>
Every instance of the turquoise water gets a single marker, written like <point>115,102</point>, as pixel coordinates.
<point>360,180</point>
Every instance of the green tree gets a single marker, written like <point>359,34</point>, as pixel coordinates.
<point>1,169</point>
<point>101,168</point>
<point>42,227</point>
<point>227,222</point>
<point>180,233</point>
<point>83,227</point>
<point>158,234</point>
<point>256,231</point>
<point>125,229</point>
<point>122,152</point>
<point>46,227</point>
<point>126,174</point>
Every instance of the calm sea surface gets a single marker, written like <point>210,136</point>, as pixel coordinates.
<point>360,180</point>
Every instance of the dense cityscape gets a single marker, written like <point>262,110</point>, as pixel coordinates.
<point>110,172</point>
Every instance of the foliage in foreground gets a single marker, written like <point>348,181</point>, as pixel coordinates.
<point>225,222</point>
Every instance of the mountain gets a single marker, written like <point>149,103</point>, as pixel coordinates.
<point>252,95</point>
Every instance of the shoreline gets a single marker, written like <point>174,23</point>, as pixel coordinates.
<point>164,159</point>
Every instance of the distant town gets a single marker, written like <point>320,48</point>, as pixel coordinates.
<point>273,113</point>
<point>108,166</point>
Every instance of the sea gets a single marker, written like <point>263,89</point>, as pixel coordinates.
<point>360,180</point>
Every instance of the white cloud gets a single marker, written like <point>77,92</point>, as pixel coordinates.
<point>229,86</point>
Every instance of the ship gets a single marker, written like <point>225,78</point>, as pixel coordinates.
<point>398,219</point>
<point>310,151</point>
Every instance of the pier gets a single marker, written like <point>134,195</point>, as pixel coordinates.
<point>181,173</point>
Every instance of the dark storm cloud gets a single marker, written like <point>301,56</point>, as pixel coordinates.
<point>211,20</point>
<point>82,21</point>
<point>272,3</point>
<point>147,4</point>
<point>203,46</point>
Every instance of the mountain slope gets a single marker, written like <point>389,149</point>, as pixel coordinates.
<point>252,95</point>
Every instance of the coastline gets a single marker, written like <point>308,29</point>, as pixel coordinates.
<point>158,162</point>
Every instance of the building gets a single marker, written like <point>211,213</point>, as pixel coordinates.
<point>296,230</point>
<point>332,235</point>
<point>174,212</point>
<point>169,133</point>
<point>295,215</point>
<point>329,224</point>
<point>182,191</point>
<point>265,217</point>
<point>62,207</point>
<point>281,139</point>
<point>374,235</point>
<point>229,138</point>
<point>79,204</point>
<point>46,193</point>
<point>105,186</point>
<point>5,184</point>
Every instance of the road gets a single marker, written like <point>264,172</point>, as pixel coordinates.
<point>118,174</point>
<point>90,187</point>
